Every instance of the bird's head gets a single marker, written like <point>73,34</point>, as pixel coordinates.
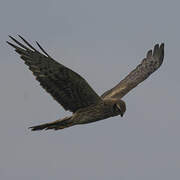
<point>119,107</point>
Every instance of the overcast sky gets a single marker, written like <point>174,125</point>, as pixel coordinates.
<point>103,41</point>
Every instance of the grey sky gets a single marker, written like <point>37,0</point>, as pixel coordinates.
<point>110,37</point>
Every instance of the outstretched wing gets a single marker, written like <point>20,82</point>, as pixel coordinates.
<point>66,86</point>
<point>150,64</point>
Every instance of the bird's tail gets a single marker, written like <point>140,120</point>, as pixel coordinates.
<point>56,125</point>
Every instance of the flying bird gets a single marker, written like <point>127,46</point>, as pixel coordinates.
<point>73,92</point>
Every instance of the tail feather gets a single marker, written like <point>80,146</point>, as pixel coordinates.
<point>56,125</point>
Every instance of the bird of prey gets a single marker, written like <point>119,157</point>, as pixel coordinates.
<point>73,92</point>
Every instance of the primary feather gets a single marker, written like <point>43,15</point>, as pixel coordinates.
<point>66,86</point>
<point>148,65</point>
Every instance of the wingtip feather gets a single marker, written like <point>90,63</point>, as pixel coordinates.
<point>149,53</point>
<point>162,46</point>
<point>14,46</point>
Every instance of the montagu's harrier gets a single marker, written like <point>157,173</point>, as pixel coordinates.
<point>74,93</point>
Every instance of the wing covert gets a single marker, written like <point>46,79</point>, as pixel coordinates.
<point>148,65</point>
<point>66,86</point>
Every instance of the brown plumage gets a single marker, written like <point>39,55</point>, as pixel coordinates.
<point>73,92</point>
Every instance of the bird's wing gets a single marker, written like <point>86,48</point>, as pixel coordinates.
<point>66,86</point>
<point>148,65</point>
